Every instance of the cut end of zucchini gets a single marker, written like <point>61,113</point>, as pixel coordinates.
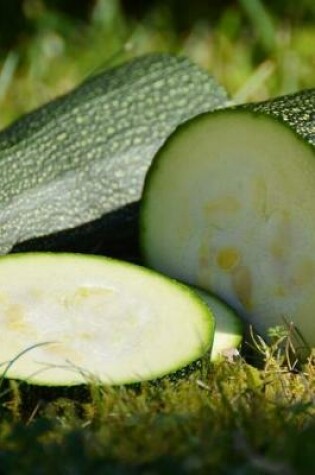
<point>72,319</point>
<point>228,326</point>
<point>229,205</point>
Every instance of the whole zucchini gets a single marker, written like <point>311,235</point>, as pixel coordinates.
<point>85,154</point>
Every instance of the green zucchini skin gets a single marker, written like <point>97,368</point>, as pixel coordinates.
<point>86,154</point>
<point>115,234</point>
<point>295,110</point>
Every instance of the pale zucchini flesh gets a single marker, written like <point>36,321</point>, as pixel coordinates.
<point>74,319</point>
<point>85,154</point>
<point>229,328</point>
<point>229,205</point>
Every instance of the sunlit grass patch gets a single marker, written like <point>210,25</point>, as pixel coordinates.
<point>58,58</point>
<point>225,415</point>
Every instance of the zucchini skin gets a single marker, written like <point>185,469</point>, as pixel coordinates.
<point>114,234</point>
<point>295,110</point>
<point>86,154</point>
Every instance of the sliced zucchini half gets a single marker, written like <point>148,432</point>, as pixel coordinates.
<point>229,205</point>
<point>73,319</point>
<point>229,327</point>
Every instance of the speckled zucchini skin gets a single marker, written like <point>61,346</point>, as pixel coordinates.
<point>296,110</point>
<point>86,154</point>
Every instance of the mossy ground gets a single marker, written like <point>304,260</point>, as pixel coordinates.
<point>228,418</point>
<point>224,418</point>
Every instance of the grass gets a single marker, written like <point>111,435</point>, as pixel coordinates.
<point>223,418</point>
<point>252,59</point>
<point>227,418</point>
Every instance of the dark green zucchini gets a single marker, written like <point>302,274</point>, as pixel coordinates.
<point>229,205</point>
<point>85,154</point>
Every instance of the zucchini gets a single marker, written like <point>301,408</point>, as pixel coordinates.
<point>69,319</point>
<point>85,155</point>
<point>229,205</point>
<point>228,333</point>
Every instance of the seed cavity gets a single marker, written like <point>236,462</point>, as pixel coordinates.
<point>281,241</point>
<point>204,264</point>
<point>304,273</point>
<point>85,294</point>
<point>203,255</point>
<point>278,249</point>
<point>228,258</point>
<point>242,286</point>
<point>280,291</point>
<point>65,352</point>
<point>260,197</point>
<point>15,318</point>
<point>226,204</point>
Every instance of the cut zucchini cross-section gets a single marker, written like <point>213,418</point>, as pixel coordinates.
<point>229,205</point>
<point>87,318</point>
<point>228,327</point>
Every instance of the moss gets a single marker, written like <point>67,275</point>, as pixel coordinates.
<point>225,415</point>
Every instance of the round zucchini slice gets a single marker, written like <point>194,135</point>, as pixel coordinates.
<point>69,319</point>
